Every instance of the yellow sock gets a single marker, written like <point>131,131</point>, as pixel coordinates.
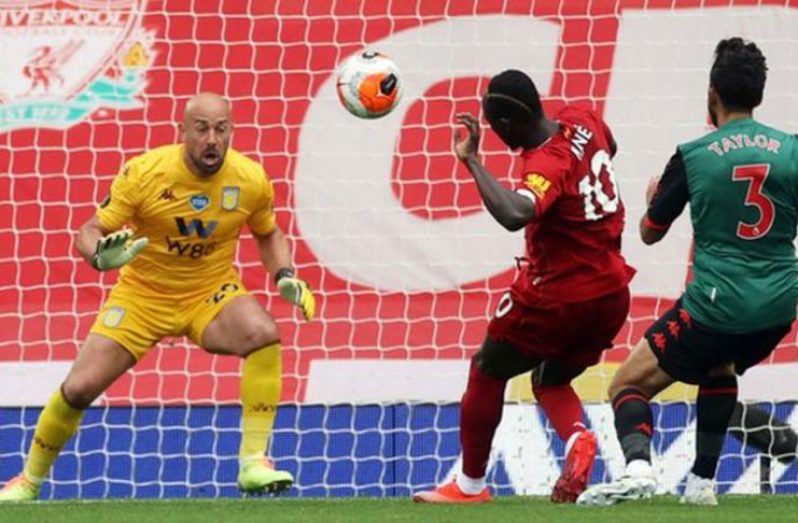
<point>261,383</point>
<point>57,423</point>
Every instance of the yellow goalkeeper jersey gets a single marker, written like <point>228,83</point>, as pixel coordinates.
<point>192,223</point>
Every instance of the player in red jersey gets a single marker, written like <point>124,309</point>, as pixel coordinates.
<point>569,300</point>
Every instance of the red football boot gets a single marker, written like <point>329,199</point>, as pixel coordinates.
<point>450,493</point>
<point>576,473</point>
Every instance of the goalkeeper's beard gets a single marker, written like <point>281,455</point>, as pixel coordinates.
<point>202,166</point>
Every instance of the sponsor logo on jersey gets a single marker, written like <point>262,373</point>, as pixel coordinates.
<point>538,184</point>
<point>196,225</point>
<point>230,198</point>
<point>168,195</point>
<point>113,317</point>
<point>70,59</point>
<point>199,202</point>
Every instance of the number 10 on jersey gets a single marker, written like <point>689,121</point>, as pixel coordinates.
<point>594,187</point>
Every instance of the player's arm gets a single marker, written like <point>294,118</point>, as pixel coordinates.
<point>275,253</point>
<point>512,210</point>
<point>88,235</point>
<point>666,197</point>
<point>102,241</point>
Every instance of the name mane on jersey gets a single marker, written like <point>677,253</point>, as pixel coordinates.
<point>579,140</point>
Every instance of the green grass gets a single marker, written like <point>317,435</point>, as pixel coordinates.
<point>770,509</point>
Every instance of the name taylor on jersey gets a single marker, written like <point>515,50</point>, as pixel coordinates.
<point>742,141</point>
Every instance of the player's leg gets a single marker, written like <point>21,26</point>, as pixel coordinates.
<point>674,348</point>
<point>634,384</point>
<point>237,324</point>
<point>638,380</point>
<point>480,415</point>
<point>596,324</point>
<point>551,385</point>
<point>99,362</point>
<point>482,406</point>
<point>717,399</point>
<point>126,327</point>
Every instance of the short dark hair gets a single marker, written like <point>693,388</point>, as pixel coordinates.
<point>512,94</point>
<point>738,74</point>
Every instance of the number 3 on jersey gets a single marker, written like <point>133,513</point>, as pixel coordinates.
<point>755,175</point>
<point>594,187</point>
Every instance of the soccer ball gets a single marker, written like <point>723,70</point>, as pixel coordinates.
<point>369,85</point>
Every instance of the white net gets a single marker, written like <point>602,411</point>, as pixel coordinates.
<point>385,225</point>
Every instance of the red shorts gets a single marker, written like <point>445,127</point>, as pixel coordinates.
<point>574,334</point>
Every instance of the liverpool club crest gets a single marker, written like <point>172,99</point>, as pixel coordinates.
<point>65,59</point>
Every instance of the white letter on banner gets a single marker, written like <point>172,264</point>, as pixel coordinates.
<point>345,207</point>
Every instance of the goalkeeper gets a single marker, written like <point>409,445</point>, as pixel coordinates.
<point>186,204</point>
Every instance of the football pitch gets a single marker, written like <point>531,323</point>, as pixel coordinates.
<point>732,508</point>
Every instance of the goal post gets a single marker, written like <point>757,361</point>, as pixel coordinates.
<point>384,224</point>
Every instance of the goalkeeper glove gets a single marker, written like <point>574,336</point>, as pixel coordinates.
<point>296,291</point>
<point>113,251</point>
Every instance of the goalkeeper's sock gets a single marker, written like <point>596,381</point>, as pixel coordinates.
<point>717,397</point>
<point>261,384</point>
<point>563,409</point>
<point>57,423</point>
<point>633,424</point>
<point>480,414</point>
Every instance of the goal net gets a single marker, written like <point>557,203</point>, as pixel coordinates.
<point>385,225</point>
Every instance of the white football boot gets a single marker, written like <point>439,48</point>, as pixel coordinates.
<point>699,491</point>
<point>640,484</point>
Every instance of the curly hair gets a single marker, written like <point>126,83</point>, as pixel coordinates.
<point>738,74</point>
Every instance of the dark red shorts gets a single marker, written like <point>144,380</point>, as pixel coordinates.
<point>575,334</point>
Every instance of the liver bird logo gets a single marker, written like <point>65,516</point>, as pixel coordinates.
<point>43,70</point>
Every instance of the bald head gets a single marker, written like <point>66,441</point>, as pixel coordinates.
<point>208,106</point>
<point>207,129</point>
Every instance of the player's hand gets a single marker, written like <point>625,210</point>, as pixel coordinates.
<point>298,292</point>
<point>651,190</point>
<point>113,250</point>
<point>468,146</point>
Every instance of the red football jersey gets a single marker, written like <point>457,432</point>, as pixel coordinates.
<point>573,245</point>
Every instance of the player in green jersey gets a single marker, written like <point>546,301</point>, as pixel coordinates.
<point>742,185</point>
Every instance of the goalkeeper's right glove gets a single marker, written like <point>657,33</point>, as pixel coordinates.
<point>113,251</point>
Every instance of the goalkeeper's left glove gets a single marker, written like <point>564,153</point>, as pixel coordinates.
<point>296,291</point>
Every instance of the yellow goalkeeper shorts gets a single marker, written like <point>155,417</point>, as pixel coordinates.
<point>137,322</point>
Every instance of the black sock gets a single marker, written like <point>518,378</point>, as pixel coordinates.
<point>633,423</point>
<point>717,397</point>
